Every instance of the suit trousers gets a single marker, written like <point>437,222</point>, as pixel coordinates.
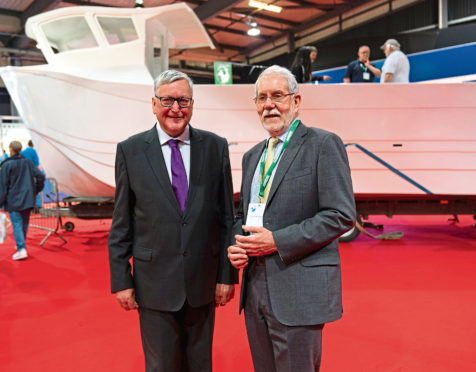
<point>275,346</point>
<point>178,341</point>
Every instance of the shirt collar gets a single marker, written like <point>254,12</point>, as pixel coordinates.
<point>282,136</point>
<point>164,137</point>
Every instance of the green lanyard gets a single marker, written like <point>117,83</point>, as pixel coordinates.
<point>266,177</point>
<point>363,67</point>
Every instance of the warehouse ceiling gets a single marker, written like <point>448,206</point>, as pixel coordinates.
<point>300,22</point>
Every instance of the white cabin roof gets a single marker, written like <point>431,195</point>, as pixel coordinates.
<point>183,26</point>
<point>115,44</point>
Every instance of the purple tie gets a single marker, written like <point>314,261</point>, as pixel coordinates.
<point>179,176</point>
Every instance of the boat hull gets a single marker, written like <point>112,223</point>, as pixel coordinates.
<point>426,131</point>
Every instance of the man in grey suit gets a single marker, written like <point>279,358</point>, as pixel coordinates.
<point>296,200</point>
<point>173,215</point>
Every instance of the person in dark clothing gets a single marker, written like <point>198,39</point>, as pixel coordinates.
<point>361,70</point>
<point>20,181</point>
<point>302,65</point>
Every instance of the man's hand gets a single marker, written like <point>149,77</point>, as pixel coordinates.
<point>260,243</point>
<point>127,299</point>
<point>327,78</point>
<point>237,257</point>
<point>224,293</point>
<point>374,70</point>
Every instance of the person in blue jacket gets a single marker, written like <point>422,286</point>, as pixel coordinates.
<point>3,156</point>
<point>31,154</point>
<point>20,181</point>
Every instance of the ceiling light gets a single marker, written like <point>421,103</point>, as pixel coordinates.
<point>261,5</point>
<point>254,31</point>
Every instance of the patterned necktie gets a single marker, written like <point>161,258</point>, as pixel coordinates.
<point>269,160</point>
<point>179,176</point>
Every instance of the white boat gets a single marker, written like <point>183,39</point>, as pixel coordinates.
<point>97,86</point>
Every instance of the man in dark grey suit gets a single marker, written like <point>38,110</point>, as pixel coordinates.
<point>296,200</point>
<point>173,215</point>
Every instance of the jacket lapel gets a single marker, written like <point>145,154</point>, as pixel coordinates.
<point>156,161</point>
<point>287,159</point>
<point>248,175</point>
<point>196,165</point>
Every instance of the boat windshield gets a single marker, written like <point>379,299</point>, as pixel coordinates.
<point>69,34</point>
<point>118,30</point>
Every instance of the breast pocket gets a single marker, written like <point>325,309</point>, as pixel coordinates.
<point>299,173</point>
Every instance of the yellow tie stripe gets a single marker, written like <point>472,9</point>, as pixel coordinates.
<point>269,160</point>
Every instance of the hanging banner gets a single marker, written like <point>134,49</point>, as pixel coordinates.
<point>223,73</point>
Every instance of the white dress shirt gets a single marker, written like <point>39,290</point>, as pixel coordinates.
<point>184,147</point>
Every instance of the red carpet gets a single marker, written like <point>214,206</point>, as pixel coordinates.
<point>409,305</point>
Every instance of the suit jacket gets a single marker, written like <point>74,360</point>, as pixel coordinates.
<point>310,204</point>
<point>176,257</point>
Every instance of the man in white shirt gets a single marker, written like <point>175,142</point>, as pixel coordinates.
<point>396,68</point>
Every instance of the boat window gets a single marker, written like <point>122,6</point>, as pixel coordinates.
<point>69,34</point>
<point>118,30</point>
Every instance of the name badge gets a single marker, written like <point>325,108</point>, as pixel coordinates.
<point>366,76</point>
<point>255,214</point>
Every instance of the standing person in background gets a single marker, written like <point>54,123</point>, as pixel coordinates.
<point>173,215</point>
<point>296,200</point>
<point>31,154</point>
<point>302,65</point>
<point>396,68</point>
<point>4,155</point>
<point>361,70</point>
<point>20,181</point>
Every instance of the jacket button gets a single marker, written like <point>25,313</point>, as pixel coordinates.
<point>184,253</point>
<point>184,223</point>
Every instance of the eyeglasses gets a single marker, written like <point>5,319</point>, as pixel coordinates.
<point>277,98</point>
<point>167,101</point>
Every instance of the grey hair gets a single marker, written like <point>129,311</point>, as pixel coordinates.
<point>280,71</point>
<point>169,76</point>
<point>15,146</point>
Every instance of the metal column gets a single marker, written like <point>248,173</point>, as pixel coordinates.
<point>442,14</point>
